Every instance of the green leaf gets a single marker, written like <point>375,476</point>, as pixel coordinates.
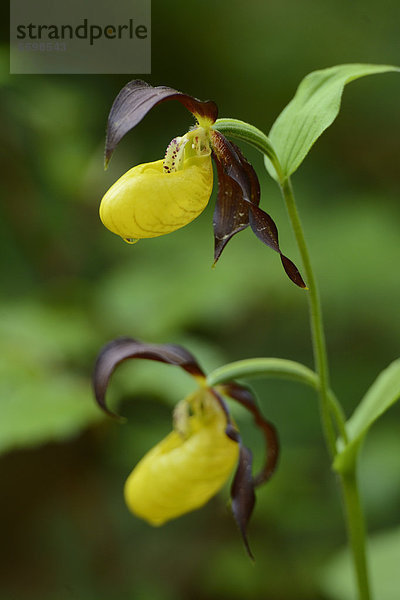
<point>337,579</point>
<point>379,398</point>
<point>45,392</point>
<point>38,407</point>
<point>314,107</point>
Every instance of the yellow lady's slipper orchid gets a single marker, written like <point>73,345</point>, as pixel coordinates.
<point>184,470</point>
<point>189,466</point>
<point>160,197</point>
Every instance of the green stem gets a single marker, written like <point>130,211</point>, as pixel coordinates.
<point>356,531</point>
<point>348,480</point>
<point>317,329</point>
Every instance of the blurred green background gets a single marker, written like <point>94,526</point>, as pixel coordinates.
<point>69,285</point>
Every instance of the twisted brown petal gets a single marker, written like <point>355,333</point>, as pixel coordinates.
<point>242,494</point>
<point>136,99</point>
<point>244,484</point>
<point>231,213</point>
<point>237,204</point>
<point>115,352</point>
<point>246,398</point>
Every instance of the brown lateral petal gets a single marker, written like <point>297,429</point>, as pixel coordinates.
<point>236,179</point>
<point>244,484</point>
<point>292,271</point>
<point>230,430</point>
<point>242,494</point>
<point>245,397</point>
<point>115,352</point>
<point>231,162</point>
<point>136,99</point>
<point>231,213</point>
<point>264,228</point>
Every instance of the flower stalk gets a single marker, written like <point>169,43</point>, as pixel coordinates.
<point>356,531</point>
<point>317,328</point>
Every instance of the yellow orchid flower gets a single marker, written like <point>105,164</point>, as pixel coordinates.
<point>193,462</point>
<point>187,468</point>
<point>159,197</point>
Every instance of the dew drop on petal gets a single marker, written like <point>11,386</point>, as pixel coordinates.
<point>131,240</point>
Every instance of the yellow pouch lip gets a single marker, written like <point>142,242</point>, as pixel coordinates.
<point>146,202</point>
<point>181,473</point>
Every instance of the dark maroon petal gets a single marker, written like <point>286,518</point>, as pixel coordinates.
<point>231,430</point>
<point>264,228</point>
<point>232,164</point>
<point>244,484</point>
<point>115,352</point>
<point>245,397</point>
<point>136,99</point>
<point>231,213</point>
<point>292,271</point>
<point>231,159</point>
<point>242,494</point>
